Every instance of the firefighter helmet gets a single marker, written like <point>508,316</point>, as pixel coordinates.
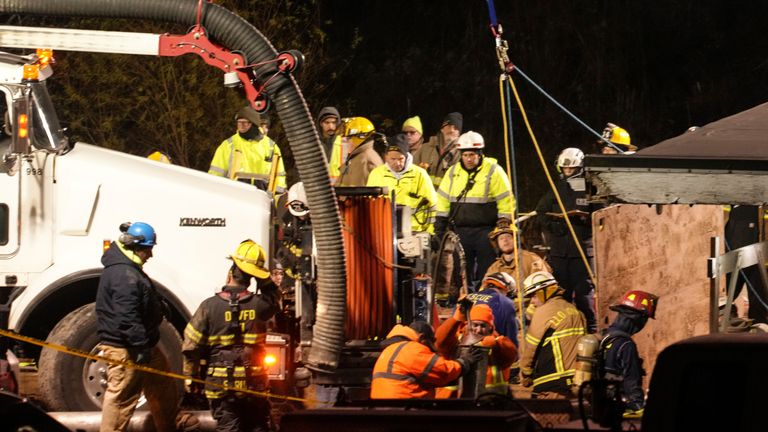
<point>502,281</point>
<point>494,235</point>
<point>160,157</point>
<point>537,281</point>
<point>251,258</point>
<point>470,140</point>
<point>571,158</point>
<point>137,234</point>
<point>357,129</point>
<point>619,136</point>
<point>297,200</point>
<point>638,301</point>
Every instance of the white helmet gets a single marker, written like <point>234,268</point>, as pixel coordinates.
<point>471,140</point>
<point>571,158</point>
<point>297,200</point>
<point>537,281</point>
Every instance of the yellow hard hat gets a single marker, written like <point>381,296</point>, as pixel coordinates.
<point>160,157</point>
<point>617,135</point>
<point>251,258</point>
<point>357,129</point>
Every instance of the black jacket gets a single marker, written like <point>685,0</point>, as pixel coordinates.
<point>128,309</point>
<point>622,361</point>
<point>556,231</point>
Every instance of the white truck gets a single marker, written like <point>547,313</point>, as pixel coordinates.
<point>60,204</point>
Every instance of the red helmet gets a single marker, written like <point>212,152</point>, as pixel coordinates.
<point>639,301</point>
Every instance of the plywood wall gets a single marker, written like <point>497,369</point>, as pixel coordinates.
<point>662,250</point>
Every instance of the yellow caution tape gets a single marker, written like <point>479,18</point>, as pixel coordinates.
<point>132,365</point>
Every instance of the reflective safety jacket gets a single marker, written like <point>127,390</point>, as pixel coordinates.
<point>249,161</point>
<point>407,369</point>
<point>484,202</point>
<point>233,347</point>
<point>339,153</point>
<point>413,189</point>
<point>549,351</point>
<point>503,353</point>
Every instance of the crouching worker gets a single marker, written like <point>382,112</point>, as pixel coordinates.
<point>480,332</point>
<point>409,366</point>
<point>619,353</point>
<point>228,332</point>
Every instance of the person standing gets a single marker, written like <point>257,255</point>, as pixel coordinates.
<point>411,184</point>
<point>474,197</point>
<point>249,156</point>
<point>363,158</point>
<point>328,124</point>
<point>440,153</point>
<point>228,332</point>
<point>620,359</point>
<point>549,351</point>
<point>409,366</point>
<point>129,312</point>
<point>414,134</point>
<point>567,263</point>
<point>615,139</point>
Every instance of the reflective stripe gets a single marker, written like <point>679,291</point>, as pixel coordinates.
<point>501,196</point>
<point>428,368</point>
<point>231,142</point>
<point>217,171</point>
<point>471,200</point>
<point>532,340</point>
<point>193,334</point>
<point>248,176</point>
<point>443,194</point>
<point>392,376</point>
<point>554,376</point>
<point>488,181</point>
<point>442,214</point>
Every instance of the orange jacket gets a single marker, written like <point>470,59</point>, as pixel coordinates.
<point>407,369</point>
<point>503,350</point>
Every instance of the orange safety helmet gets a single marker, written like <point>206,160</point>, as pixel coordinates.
<point>638,301</point>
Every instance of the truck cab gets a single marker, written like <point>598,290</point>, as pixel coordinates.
<point>61,205</point>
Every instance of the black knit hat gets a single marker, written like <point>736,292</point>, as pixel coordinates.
<point>249,114</point>
<point>326,112</point>
<point>398,143</point>
<point>454,118</point>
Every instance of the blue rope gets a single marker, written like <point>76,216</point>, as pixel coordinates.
<point>565,110</point>
<point>492,14</point>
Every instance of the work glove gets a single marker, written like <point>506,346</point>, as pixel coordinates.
<point>488,342</point>
<point>142,355</point>
<point>434,243</point>
<point>526,381</point>
<point>462,309</point>
<point>633,414</point>
<point>470,358</point>
<point>192,387</point>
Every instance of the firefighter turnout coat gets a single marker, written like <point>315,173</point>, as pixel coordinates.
<point>231,339</point>
<point>407,369</point>
<point>249,161</point>
<point>486,199</point>
<point>549,353</point>
<point>413,189</point>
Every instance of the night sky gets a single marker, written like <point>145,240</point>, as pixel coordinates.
<point>655,68</point>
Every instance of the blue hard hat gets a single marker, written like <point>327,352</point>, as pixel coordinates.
<point>140,234</point>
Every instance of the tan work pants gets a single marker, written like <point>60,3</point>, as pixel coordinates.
<point>124,386</point>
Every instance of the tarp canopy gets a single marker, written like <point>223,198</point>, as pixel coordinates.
<point>724,162</point>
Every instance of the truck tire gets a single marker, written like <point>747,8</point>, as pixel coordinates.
<point>71,383</point>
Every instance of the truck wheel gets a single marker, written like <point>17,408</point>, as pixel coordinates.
<point>70,383</point>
